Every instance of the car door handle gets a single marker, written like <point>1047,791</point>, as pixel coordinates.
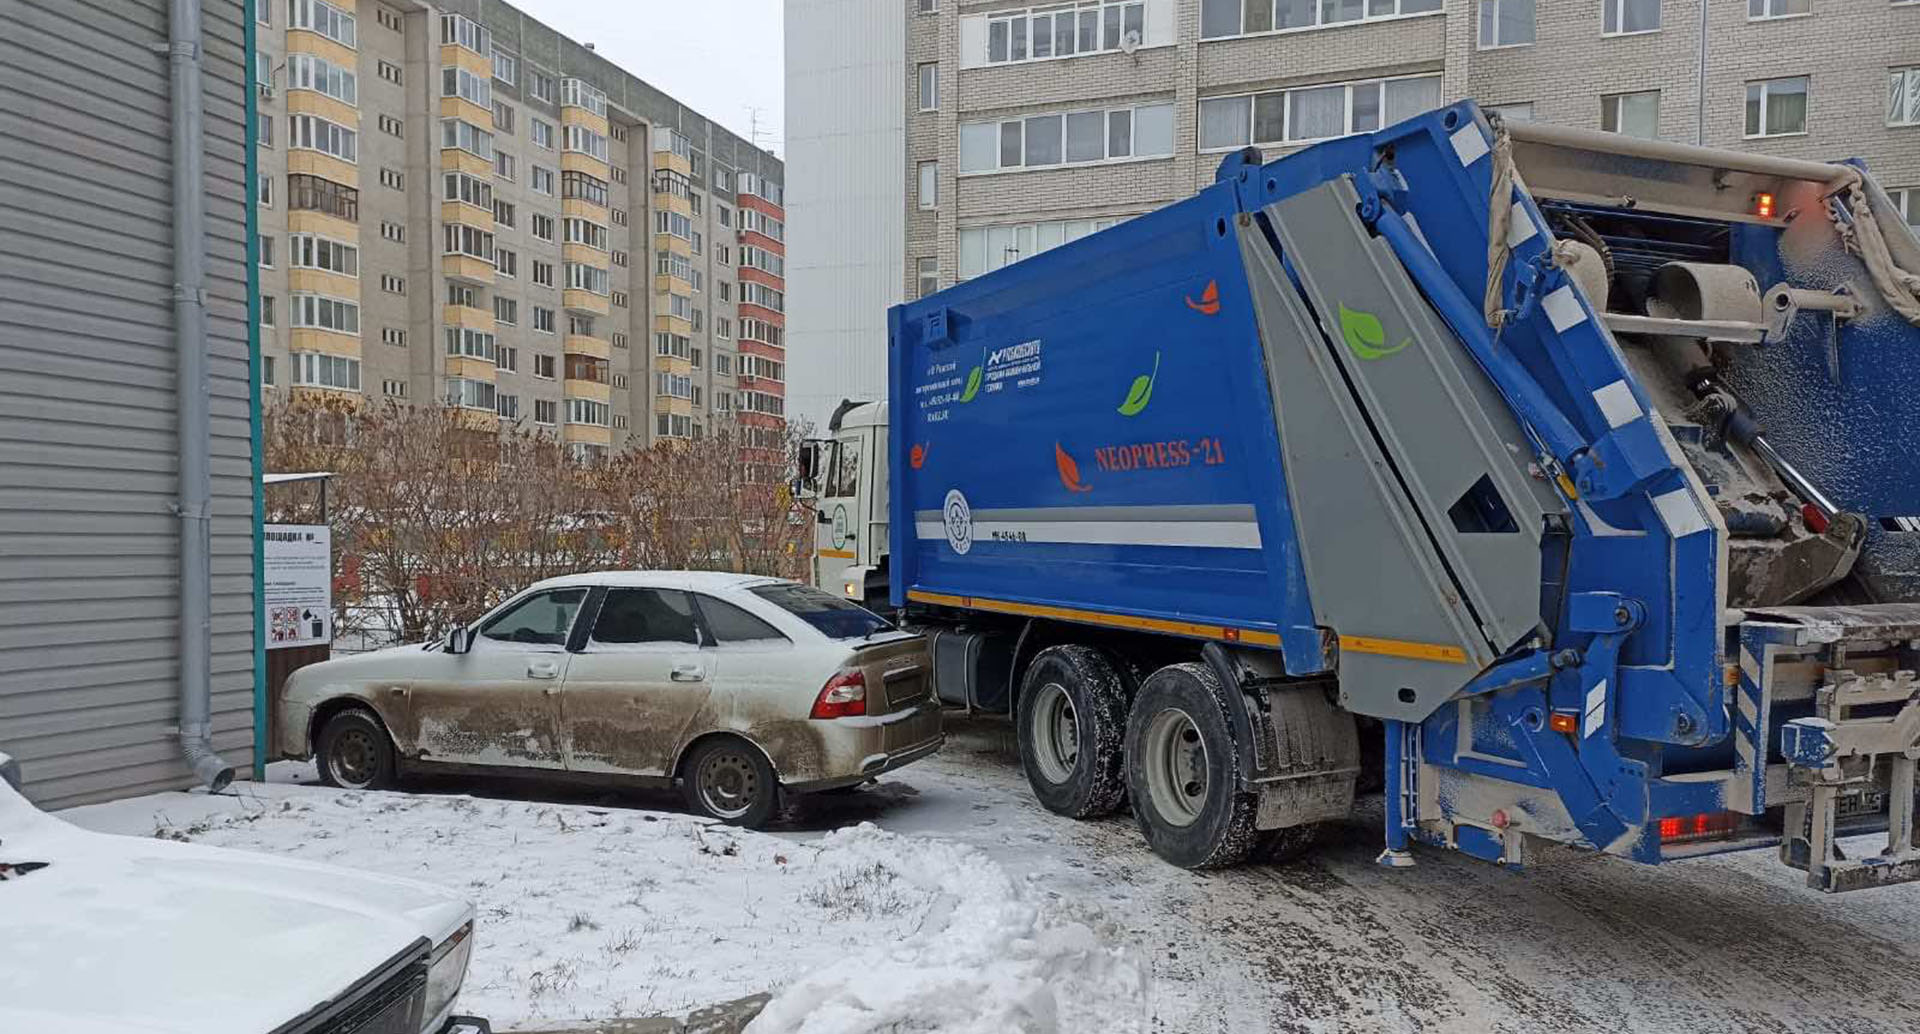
<point>687,673</point>
<point>543,670</point>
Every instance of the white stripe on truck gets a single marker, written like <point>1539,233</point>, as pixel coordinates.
<point>1206,527</point>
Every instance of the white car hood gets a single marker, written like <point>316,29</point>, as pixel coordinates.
<point>140,935</point>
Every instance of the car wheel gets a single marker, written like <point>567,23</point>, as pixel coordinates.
<point>1072,714</point>
<point>1181,771</point>
<point>354,752</point>
<point>730,780</point>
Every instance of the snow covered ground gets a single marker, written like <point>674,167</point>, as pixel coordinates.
<point>977,910</point>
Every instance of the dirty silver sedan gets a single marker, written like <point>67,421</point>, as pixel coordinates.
<point>735,687</point>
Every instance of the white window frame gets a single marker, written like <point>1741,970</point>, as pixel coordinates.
<point>1488,13</point>
<point>1102,11</point>
<point>325,254</point>
<point>927,185</point>
<point>578,93</point>
<point>324,136</point>
<point>502,59</point>
<point>1611,105</point>
<point>1107,115</point>
<point>1911,77</point>
<point>474,89</point>
<point>540,131</point>
<point>1617,10</point>
<point>926,273</point>
<point>324,18</point>
<point>1320,19</point>
<point>537,173</point>
<point>1287,111</point>
<point>1515,111</point>
<point>304,310</point>
<point>1769,5</point>
<point>460,135</point>
<point>307,365</point>
<point>318,75</point>
<point>1766,95</point>
<point>1025,239</point>
<point>928,73</point>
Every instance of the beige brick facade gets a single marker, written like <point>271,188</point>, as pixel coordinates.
<point>1845,49</point>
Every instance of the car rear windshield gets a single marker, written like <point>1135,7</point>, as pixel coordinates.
<point>833,616</point>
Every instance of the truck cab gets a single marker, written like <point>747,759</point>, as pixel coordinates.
<point>845,475</point>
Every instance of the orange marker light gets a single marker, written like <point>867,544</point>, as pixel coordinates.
<point>1562,723</point>
<point>1763,205</point>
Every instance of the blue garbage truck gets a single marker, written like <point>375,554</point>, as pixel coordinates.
<point>1562,486</point>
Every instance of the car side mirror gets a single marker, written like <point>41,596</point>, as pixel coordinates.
<point>9,771</point>
<point>460,639</point>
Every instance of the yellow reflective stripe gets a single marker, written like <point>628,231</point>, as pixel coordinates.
<point>838,554</point>
<point>1402,648</point>
<point>1254,637</point>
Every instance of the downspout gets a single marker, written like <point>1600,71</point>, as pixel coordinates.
<point>1700,85</point>
<point>190,391</point>
<point>256,432</point>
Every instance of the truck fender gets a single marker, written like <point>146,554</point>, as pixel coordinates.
<point>1303,753</point>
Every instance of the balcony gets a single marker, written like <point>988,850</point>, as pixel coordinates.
<point>467,269</point>
<point>573,299</point>
<point>592,347</point>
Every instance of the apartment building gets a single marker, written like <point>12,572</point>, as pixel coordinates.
<point>1026,126</point>
<point>459,205</point>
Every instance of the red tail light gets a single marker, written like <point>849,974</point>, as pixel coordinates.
<point>1763,205</point>
<point>1816,521</point>
<point>844,694</point>
<point>1682,828</point>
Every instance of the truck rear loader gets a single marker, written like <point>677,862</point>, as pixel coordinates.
<point>1564,486</point>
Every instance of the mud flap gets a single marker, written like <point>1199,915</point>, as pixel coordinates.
<point>1304,756</point>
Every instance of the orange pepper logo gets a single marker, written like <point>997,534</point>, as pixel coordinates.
<point>1069,470</point>
<point>918,456</point>
<point>1209,302</point>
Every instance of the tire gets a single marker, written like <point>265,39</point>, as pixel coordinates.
<point>1072,714</point>
<point>354,752</point>
<point>1182,771</point>
<point>730,780</point>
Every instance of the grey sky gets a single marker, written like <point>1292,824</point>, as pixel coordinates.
<point>718,57</point>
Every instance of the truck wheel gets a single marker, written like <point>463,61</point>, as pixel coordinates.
<point>1181,771</point>
<point>1072,715</point>
<point>354,752</point>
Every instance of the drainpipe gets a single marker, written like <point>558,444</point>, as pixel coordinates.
<point>191,389</point>
<point>1700,82</point>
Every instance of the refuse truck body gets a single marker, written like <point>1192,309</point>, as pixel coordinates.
<point>1604,535</point>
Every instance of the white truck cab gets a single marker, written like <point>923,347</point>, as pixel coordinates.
<point>845,475</point>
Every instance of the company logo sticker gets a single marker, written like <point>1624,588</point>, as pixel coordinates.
<point>1142,390</point>
<point>1069,470</point>
<point>918,457</point>
<point>1364,336</point>
<point>1209,302</point>
<point>958,518</point>
<point>973,385</point>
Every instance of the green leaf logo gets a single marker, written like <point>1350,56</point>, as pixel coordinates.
<point>1364,335</point>
<point>1142,390</point>
<point>973,385</point>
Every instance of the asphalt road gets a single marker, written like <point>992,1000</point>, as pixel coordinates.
<point>1337,943</point>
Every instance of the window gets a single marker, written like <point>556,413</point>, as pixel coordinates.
<point>620,258</point>
<point>1313,112</point>
<point>319,312</point>
<point>754,184</point>
<point>543,227</point>
<point>541,133</point>
<point>587,188</point>
<point>585,368</point>
<point>1758,9</point>
<point>1906,201</point>
<point>323,18</point>
<point>462,295</point>
<point>674,346</point>
<point>266,310</point>
<point>540,179</point>
<point>469,190</point>
<point>928,6</point>
<point>619,339</point>
<point>506,311</point>
<point>539,86</point>
<point>467,393</point>
<point>393,284</point>
<point>457,133</point>
<point>763,368</point>
<point>1506,23</point>
<point>264,128</point>
<point>831,615</point>
<point>1521,112</point>
<point>673,386</point>
<point>619,174</point>
<point>263,245</point>
<point>262,11</point>
<point>543,368</point>
<point>929,177</point>
<point>582,277</point>
<point>927,271</point>
<point>722,363</point>
<point>394,232</point>
<point>393,178</point>
<point>392,126</point>
<point>723,327</point>
<point>582,140</point>
<point>673,223</point>
<point>503,212</point>
<point>319,370</point>
<point>1625,17</point>
<point>763,260</point>
<point>545,411</point>
<point>390,72</point>
<point>263,189</point>
<point>1222,18</point>
<point>508,406</point>
<point>389,18</point>
<point>306,72</point>
<point>619,299</point>
<point>1903,97</point>
<point>984,249</point>
<point>580,231</point>
<point>763,296</point>
<point>674,426</point>
<point>620,382</point>
<point>503,116</point>
<point>1087,29</point>
<point>507,358</point>
<point>468,240</point>
<point>752,329</point>
<point>313,133</point>
<point>1777,107</point>
<point>543,320</point>
<point>505,66</point>
<point>393,336</point>
<point>266,370</point>
<point>394,389</point>
<point>542,273</point>
<point>503,165</point>
<point>542,619</point>
<point>507,263</point>
<point>580,326</point>
<point>930,86</point>
<point>467,343</point>
<point>465,32</point>
<point>1631,114</point>
<point>587,411</point>
<point>630,617</point>
<point>578,93</point>
<point>1070,138</point>
<point>726,290</point>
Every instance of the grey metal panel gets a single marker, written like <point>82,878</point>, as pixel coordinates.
<point>1439,418</point>
<point>88,545</point>
<point>1368,571</point>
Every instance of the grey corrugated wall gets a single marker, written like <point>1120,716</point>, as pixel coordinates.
<point>89,555</point>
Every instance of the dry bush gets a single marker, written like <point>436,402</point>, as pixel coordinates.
<point>434,523</point>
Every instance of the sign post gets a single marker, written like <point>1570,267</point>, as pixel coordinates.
<point>298,594</point>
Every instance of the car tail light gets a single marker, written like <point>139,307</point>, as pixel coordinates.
<point>1679,829</point>
<point>844,694</point>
